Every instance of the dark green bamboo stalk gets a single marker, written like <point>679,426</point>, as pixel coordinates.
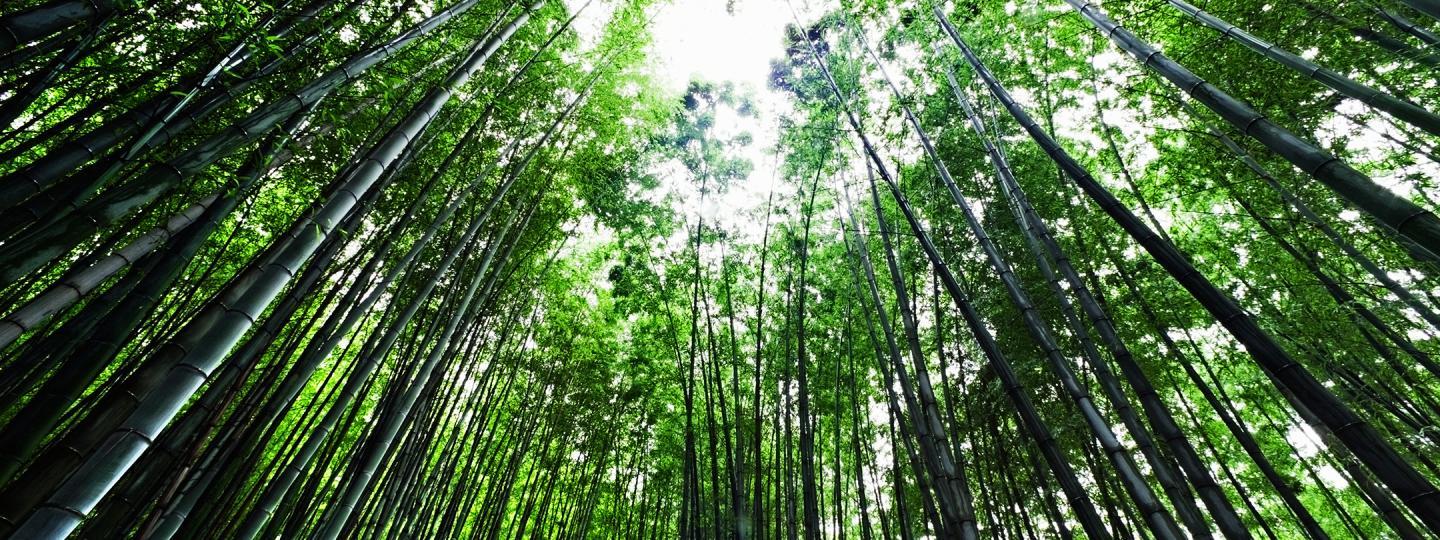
<point>1367,444</point>
<point>1394,212</point>
<point>1403,110</point>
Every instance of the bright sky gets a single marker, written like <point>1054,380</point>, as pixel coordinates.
<point>710,41</point>
<point>699,37</point>
<point>713,41</point>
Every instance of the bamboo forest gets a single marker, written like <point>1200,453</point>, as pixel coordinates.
<point>720,269</point>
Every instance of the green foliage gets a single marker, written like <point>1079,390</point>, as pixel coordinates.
<point>630,365</point>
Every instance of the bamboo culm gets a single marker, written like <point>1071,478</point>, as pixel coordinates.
<point>1357,435</point>
<point>45,245</point>
<point>1164,423</point>
<point>1065,475</point>
<point>1405,111</point>
<point>63,512</point>
<point>1396,213</point>
<point>41,21</point>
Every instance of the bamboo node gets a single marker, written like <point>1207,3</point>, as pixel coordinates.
<point>1405,222</point>
<point>148,440</point>
<point>1418,496</point>
<point>1246,129</point>
<point>15,323</point>
<point>1333,159</point>
<point>64,508</point>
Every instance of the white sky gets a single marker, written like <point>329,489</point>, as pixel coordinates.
<point>701,39</point>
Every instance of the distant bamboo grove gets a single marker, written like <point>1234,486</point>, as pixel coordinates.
<point>470,268</point>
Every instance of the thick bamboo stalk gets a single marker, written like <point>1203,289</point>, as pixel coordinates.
<point>24,27</point>
<point>65,509</point>
<point>45,245</point>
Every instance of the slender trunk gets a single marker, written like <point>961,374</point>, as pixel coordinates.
<point>381,438</point>
<point>1396,47</point>
<point>1406,25</point>
<point>82,491</point>
<point>1367,444</point>
<point>16,104</point>
<point>1403,110</point>
<point>1431,8</point>
<point>1079,501</point>
<point>1158,518</point>
<point>807,425</point>
<point>35,250</point>
<point>1242,435</point>
<point>1396,213</point>
<point>1155,409</point>
<point>1320,224</point>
